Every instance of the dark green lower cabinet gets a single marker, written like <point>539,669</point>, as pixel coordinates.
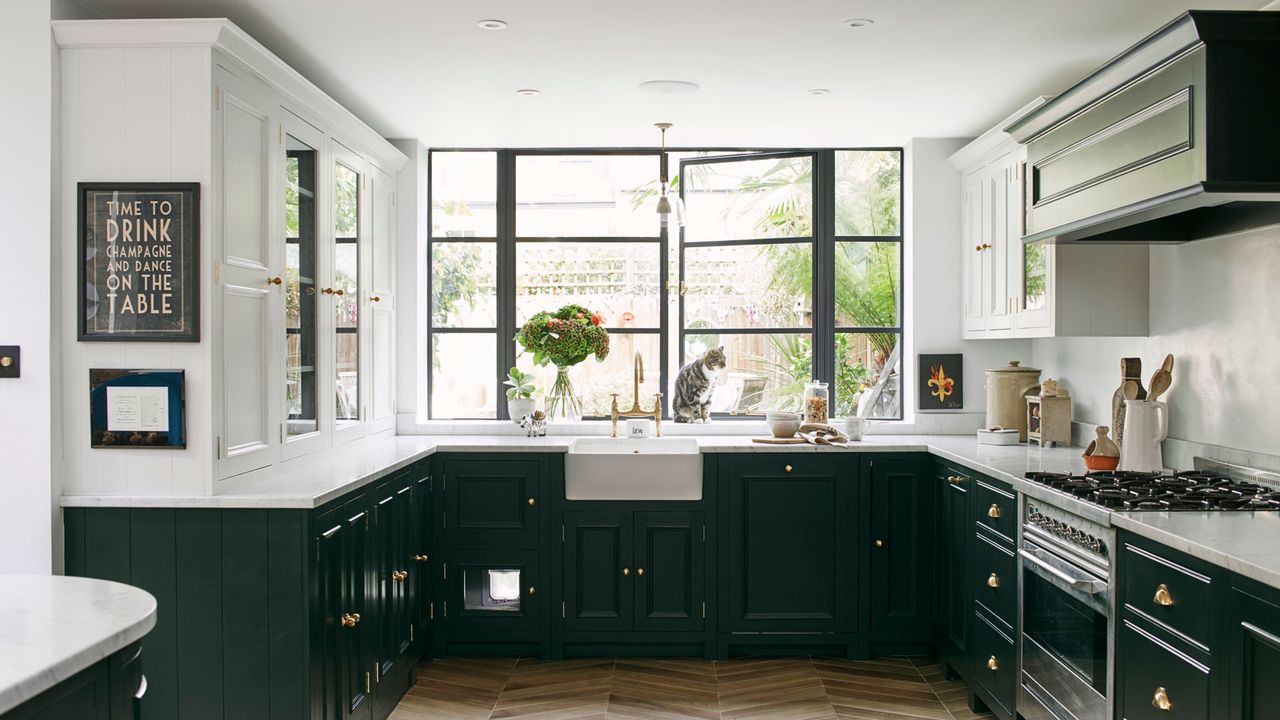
<point>1254,654</point>
<point>954,599</point>
<point>315,614</point>
<point>787,526</point>
<point>1156,680</point>
<point>633,571</point>
<point>494,590</point>
<point>111,689</point>
<point>901,568</point>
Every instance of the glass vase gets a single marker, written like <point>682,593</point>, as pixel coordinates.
<point>562,402</point>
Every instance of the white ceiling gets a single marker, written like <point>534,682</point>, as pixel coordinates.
<point>927,68</point>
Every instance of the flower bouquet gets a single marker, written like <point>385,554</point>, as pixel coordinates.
<point>564,338</point>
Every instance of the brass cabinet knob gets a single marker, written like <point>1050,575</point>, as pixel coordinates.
<point>533,590</point>
<point>334,291</point>
<point>787,469</point>
<point>1162,595</point>
<point>421,558</point>
<point>994,511</point>
<point>879,543</point>
<point>1161,700</point>
<point>977,248</point>
<point>954,479</point>
<point>992,665</point>
<point>400,575</point>
<point>640,572</point>
<point>993,581</point>
<point>311,291</point>
<point>531,502</point>
<point>626,572</point>
<point>374,298</point>
<point>350,620</point>
<point>276,280</point>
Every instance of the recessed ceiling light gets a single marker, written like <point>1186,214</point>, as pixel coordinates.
<point>528,92</point>
<point>855,23</point>
<point>818,91</point>
<point>668,87</point>
<point>492,24</point>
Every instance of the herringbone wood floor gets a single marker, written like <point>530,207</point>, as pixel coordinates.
<point>670,689</point>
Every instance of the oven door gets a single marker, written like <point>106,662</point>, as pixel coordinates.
<point>1065,638</point>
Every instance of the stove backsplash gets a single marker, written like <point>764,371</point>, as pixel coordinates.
<point>1213,306</point>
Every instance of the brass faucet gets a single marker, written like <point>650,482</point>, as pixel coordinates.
<point>637,377</point>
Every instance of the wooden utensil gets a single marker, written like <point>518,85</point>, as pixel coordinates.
<point>1131,389</point>
<point>1160,381</point>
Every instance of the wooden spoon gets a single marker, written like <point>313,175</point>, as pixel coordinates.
<point>1130,389</point>
<point>1161,379</point>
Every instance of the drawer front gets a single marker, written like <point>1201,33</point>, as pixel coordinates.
<point>995,506</point>
<point>1167,592</point>
<point>995,578</point>
<point>493,501</point>
<point>1155,681</point>
<point>957,477</point>
<point>995,662</point>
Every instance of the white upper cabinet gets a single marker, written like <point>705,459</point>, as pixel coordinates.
<point>1013,290</point>
<point>381,300</point>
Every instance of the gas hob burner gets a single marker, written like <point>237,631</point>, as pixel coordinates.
<point>1186,490</point>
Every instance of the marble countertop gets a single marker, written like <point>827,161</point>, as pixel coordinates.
<point>57,626</point>
<point>312,481</point>
<point>1242,542</point>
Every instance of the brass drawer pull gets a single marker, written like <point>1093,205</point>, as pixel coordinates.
<point>1162,595</point>
<point>421,558</point>
<point>992,665</point>
<point>640,572</point>
<point>350,620</point>
<point>533,590</point>
<point>531,502</point>
<point>1161,700</point>
<point>626,572</point>
<point>993,581</point>
<point>879,543</point>
<point>787,468</point>
<point>400,575</point>
<point>994,511</point>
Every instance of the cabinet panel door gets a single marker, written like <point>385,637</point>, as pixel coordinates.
<point>955,557</point>
<point>999,306</point>
<point>392,521</point>
<point>787,535</point>
<point>382,220</point>
<point>971,254</point>
<point>346,617</point>
<point>492,589</point>
<point>599,576</point>
<point>492,501</point>
<point>1147,667</point>
<point>420,575</point>
<point>901,510</point>
<point>669,571</point>
<point>1254,657</point>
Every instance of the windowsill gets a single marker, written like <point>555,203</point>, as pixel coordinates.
<point>952,423</point>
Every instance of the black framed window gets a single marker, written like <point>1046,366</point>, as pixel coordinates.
<point>790,259</point>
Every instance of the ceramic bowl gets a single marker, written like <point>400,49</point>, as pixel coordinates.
<point>783,424</point>
<point>1101,462</point>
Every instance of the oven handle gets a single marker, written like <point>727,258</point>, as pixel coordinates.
<point>1085,585</point>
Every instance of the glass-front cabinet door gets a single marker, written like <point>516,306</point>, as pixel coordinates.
<point>301,173</point>
<point>344,291</point>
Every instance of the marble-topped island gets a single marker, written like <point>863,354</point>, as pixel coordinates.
<point>58,626</point>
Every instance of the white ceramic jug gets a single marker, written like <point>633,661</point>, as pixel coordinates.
<point>1146,424</point>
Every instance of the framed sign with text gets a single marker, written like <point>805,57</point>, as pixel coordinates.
<point>139,267</point>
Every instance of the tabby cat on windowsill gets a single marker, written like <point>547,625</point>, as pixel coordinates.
<point>694,384</point>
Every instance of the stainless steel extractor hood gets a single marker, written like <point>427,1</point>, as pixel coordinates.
<point>1175,139</point>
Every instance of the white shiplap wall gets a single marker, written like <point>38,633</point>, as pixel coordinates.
<point>136,115</point>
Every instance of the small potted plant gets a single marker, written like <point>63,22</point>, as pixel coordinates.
<point>520,390</point>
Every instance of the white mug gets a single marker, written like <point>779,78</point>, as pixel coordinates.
<point>855,426</point>
<point>1146,424</point>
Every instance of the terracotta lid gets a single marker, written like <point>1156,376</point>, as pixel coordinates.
<point>1015,366</point>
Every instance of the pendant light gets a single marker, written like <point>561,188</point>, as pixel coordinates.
<point>667,205</point>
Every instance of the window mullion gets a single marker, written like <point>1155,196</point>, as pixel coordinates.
<point>824,276</point>
<point>506,275</point>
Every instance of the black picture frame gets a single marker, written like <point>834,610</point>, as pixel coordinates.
<point>91,242</point>
<point>173,382</point>
<point>948,365</point>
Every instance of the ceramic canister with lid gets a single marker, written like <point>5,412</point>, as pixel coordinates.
<point>1007,389</point>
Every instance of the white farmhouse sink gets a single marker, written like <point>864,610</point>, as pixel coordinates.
<point>626,469</point>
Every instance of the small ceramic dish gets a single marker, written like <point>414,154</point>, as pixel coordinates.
<point>783,426</point>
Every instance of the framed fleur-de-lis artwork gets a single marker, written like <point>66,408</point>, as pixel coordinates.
<point>941,385</point>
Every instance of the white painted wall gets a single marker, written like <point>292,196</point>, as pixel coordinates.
<point>26,418</point>
<point>1215,304</point>
<point>932,288</point>
<point>411,264</point>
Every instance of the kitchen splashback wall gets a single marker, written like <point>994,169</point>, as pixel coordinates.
<point>1215,304</point>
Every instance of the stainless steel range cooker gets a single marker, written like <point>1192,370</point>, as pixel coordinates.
<point>1068,572</point>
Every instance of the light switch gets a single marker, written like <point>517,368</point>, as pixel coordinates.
<point>9,361</point>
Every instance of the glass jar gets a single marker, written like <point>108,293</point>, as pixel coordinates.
<point>816,403</point>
